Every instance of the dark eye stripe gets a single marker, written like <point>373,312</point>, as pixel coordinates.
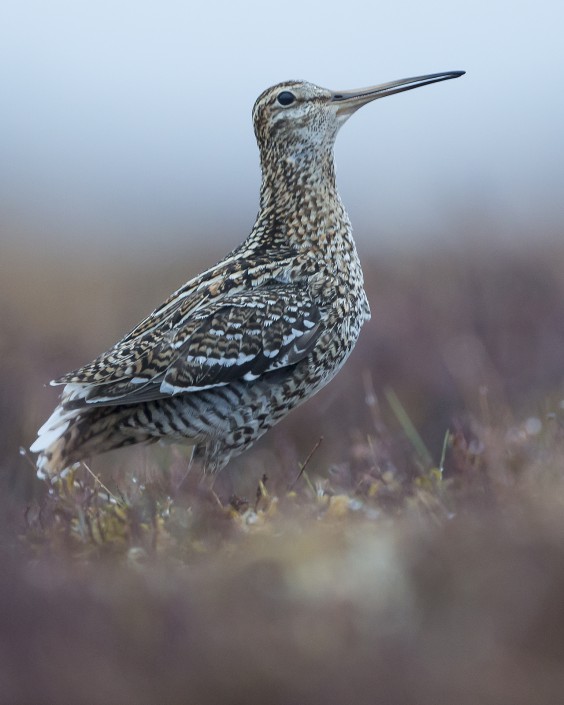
<point>286,98</point>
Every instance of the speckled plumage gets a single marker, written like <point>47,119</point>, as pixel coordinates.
<point>236,348</point>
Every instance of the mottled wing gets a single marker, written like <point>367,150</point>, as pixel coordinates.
<point>241,336</point>
<point>133,354</point>
<point>246,336</point>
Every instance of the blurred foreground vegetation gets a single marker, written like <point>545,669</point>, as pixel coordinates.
<point>415,554</point>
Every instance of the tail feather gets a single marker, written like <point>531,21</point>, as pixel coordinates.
<point>71,435</point>
<point>52,429</point>
<point>71,406</point>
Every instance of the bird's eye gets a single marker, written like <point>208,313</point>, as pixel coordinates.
<point>286,98</point>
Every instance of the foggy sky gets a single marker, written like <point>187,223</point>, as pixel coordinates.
<point>135,117</point>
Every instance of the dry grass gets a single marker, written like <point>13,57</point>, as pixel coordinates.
<point>418,558</point>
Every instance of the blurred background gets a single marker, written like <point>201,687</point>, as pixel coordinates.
<point>128,163</point>
<point>130,121</point>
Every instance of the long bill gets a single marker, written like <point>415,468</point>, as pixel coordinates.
<point>349,101</point>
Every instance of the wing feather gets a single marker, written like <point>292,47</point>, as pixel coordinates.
<point>238,336</point>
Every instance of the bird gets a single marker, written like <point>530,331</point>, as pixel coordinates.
<point>234,350</point>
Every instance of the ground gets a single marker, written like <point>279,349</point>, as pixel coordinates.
<point>396,540</point>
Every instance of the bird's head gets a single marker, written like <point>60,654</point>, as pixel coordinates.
<point>295,118</point>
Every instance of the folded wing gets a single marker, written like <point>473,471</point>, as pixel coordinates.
<point>238,337</point>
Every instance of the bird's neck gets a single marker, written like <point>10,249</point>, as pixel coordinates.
<point>299,199</point>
